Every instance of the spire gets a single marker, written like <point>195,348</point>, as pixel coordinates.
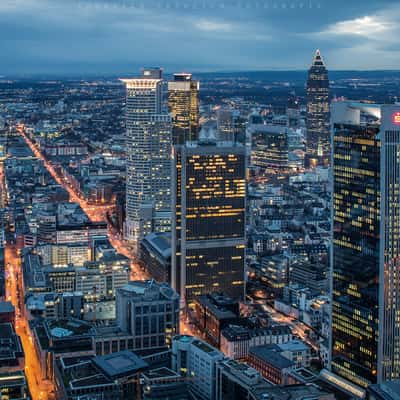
<point>318,61</point>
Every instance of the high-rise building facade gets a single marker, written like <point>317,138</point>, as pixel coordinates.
<point>148,127</point>
<point>366,247</point>
<point>225,125</point>
<point>269,147</point>
<point>318,114</point>
<point>149,312</point>
<point>208,225</point>
<point>183,105</point>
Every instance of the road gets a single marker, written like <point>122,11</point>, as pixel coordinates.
<point>122,247</point>
<point>298,328</point>
<point>40,390</point>
<point>96,213</point>
<point>3,194</point>
<point>188,328</point>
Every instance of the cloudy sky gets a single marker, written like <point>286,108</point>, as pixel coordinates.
<point>115,36</point>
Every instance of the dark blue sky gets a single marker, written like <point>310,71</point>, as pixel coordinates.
<point>116,36</point>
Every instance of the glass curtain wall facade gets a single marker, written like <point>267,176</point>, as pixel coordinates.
<point>318,114</point>
<point>355,252</point>
<point>148,126</point>
<point>269,150</point>
<point>183,104</point>
<point>366,247</point>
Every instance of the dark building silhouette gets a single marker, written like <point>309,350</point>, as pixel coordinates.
<point>208,224</point>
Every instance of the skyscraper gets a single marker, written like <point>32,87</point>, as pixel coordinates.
<point>366,249</point>
<point>269,146</point>
<point>148,127</point>
<point>225,125</point>
<point>318,115</point>
<point>183,104</point>
<point>208,226</point>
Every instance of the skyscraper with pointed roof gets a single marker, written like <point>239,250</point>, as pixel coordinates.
<point>318,114</point>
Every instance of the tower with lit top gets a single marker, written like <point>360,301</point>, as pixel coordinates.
<point>318,114</point>
<point>183,105</point>
<point>148,132</point>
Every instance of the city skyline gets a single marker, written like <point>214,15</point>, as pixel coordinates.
<point>177,234</point>
<point>87,36</point>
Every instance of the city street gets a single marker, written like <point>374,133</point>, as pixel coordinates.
<point>40,390</point>
<point>298,328</point>
<point>96,213</point>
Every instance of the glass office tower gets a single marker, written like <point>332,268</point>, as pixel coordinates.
<point>148,177</point>
<point>183,105</point>
<point>208,228</point>
<point>269,147</point>
<point>318,114</point>
<point>366,249</point>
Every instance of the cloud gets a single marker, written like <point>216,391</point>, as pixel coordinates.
<point>118,35</point>
<point>368,40</point>
<point>213,26</point>
<point>368,26</point>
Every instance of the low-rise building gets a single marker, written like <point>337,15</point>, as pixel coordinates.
<point>212,313</point>
<point>237,381</point>
<point>12,354</point>
<point>111,377</point>
<point>163,383</point>
<point>155,255</point>
<point>196,360</point>
<point>311,275</point>
<point>55,339</point>
<point>148,312</point>
<point>237,340</point>
<point>271,364</point>
<point>13,386</point>
<point>7,312</point>
<point>97,280</point>
<point>275,274</point>
<point>296,351</point>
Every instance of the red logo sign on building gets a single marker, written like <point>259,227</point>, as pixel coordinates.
<point>396,118</point>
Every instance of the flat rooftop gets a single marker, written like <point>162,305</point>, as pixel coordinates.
<point>203,346</point>
<point>120,364</point>
<point>294,345</point>
<point>10,379</point>
<point>271,357</point>
<point>160,373</point>
<point>61,327</point>
<point>160,241</point>
<point>6,307</point>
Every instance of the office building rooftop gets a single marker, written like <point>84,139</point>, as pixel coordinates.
<point>119,364</point>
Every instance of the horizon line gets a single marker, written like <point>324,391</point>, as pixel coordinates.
<point>117,75</point>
